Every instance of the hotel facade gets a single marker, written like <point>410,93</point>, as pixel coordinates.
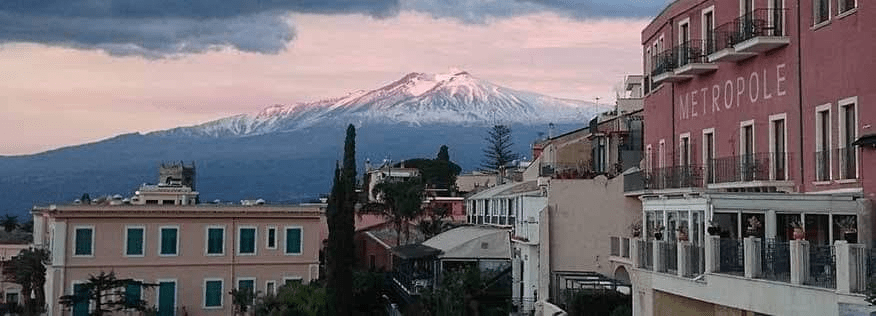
<point>757,183</point>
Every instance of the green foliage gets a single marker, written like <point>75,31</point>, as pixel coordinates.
<point>107,294</point>
<point>28,269</point>
<point>368,287</point>
<point>340,254</point>
<point>454,295</point>
<point>623,310</point>
<point>9,223</point>
<point>242,299</point>
<point>498,153</point>
<point>871,291</point>
<point>596,302</point>
<point>401,202</point>
<point>294,299</point>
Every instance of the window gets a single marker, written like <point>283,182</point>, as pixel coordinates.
<point>213,293</point>
<point>289,281</point>
<point>846,5</point>
<point>661,154</point>
<point>84,241</point>
<point>820,11</point>
<point>246,240</point>
<point>745,6</point>
<point>708,34</point>
<point>135,240</point>
<point>822,143</point>
<point>216,240</point>
<point>709,154</point>
<point>684,150</point>
<point>270,287</point>
<point>133,294</point>
<point>293,240</point>
<point>747,161</point>
<point>684,54</point>
<point>247,285</point>
<point>169,241</point>
<point>598,155</point>
<point>272,238</point>
<point>777,17</point>
<point>168,202</point>
<point>847,153</point>
<point>649,157</point>
<point>778,147</point>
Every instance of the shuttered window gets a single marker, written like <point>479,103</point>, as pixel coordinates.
<point>84,242</point>
<point>247,240</point>
<point>213,293</point>
<point>215,241</point>
<point>293,240</point>
<point>132,294</point>
<point>169,241</point>
<point>134,241</point>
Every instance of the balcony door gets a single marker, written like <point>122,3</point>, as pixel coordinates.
<point>778,155</point>
<point>746,157</point>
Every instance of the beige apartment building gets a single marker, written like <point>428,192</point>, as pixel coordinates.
<point>195,253</point>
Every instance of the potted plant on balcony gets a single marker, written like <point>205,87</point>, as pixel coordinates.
<point>799,234</point>
<point>849,228</point>
<point>658,232</point>
<point>714,229</point>
<point>636,229</point>
<point>754,226</point>
<point>682,233</point>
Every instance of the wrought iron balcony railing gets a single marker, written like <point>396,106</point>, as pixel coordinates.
<point>664,61</point>
<point>759,22</point>
<point>837,164</point>
<point>691,52</point>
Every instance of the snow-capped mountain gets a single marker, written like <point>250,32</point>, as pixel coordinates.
<point>415,99</point>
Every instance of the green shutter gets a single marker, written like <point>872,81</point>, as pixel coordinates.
<point>132,294</point>
<point>83,241</point>
<point>168,241</point>
<point>166,298</point>
<point>246,286</point>
<point>247,240</point>
<point>272,237</point>
<point>215,243</point>
<point>213,296</point>
<point>135,241</point>
<point>293,240</point>
<point>80,308</point>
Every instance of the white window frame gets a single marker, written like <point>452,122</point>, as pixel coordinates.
<point>773,118</point>
<point>204,295</point>
<point>661,154</point>
<point>706,163</point>
<point>175,288</point>
<point>649,159</point>
<point>76,241</point>
<point>270,282</point>
<point>742,126</point>
<point>161,237</point>
<point>839,7</point>
<point>143,241</point>
<point>137,280</point>
<point>292,278</point>
<point>301,240</point>
<point>207,240</point>
<point>73,292</point>
<point>784,17</point>
<point>841,104</point>
<point>685,21</point>
<point>703,28</point>
<point>818,139</point>
<point>268,237</point>
<point>682,160</point>
<point>815,7</point>
<point>255,240</point>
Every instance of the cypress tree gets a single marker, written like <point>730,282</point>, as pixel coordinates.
<point>340,254</point>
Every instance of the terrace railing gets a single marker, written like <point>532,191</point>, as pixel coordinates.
<point>822,267</point>
<point>822,165</point>
<point>664,61</point>
<point>732,257</point>
<point>846,162</point>
<point>645,251</point>
<point>615,246</point>
<point>694,256</point>
<point>750,167</point>
<point>669,255</point>
<point>691,52</point>
<point>776,260</point>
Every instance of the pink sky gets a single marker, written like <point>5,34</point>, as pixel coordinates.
<point>54,97</point>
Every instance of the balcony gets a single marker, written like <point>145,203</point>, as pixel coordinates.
<point>761,30</point>
<point>839,164</point>
<point>752,170</point>
<point>664,65</point>
<point>673,177</point>
<point>693,60</point>
<point>753,33</point>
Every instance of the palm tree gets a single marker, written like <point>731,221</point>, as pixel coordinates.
<point>400,202</point>
<point>9,223</point>
<point>28,269</point>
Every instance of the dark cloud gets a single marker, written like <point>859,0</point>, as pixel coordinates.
<point>160,28</point>
<point>478,11</point>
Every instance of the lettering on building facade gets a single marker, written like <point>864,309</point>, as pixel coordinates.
<point>734,93</point>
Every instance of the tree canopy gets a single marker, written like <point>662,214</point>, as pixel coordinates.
<point>28,269</point>
<point>340,255</point>
<point>498,153</point>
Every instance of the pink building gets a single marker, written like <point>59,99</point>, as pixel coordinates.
<point>196,253</point>
<point>759,130</point>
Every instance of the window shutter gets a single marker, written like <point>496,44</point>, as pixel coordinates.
<point>293,240</point>
<point>168,241</point>
<point>215,242</point>
<point>135,241</point>
<point>83,241</point>
<point>247,240</point>
<point>213,294</point>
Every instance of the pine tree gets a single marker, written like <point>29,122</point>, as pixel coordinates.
<point>498,153</point>
<point>341,252</point>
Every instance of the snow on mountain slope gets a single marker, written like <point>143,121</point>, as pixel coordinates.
<point>415,99</point>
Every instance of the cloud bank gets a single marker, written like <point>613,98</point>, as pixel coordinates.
<point>161,28</point>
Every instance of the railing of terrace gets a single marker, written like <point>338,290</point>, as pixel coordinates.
<point>750,167</point>
<point>646,254</point>
<point>775,260</point>
<point>846,166</point>
<point>691,52</point>
<point>694,260</point>
<point>615,246</point>
<point>664,61</point>
<point>625,247</point>
<point>732,259</point>
<point>822,267</point>
<point>669,255</point>
<point>760,22</point>
<point>822,165</point>
<point>723,36</point>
